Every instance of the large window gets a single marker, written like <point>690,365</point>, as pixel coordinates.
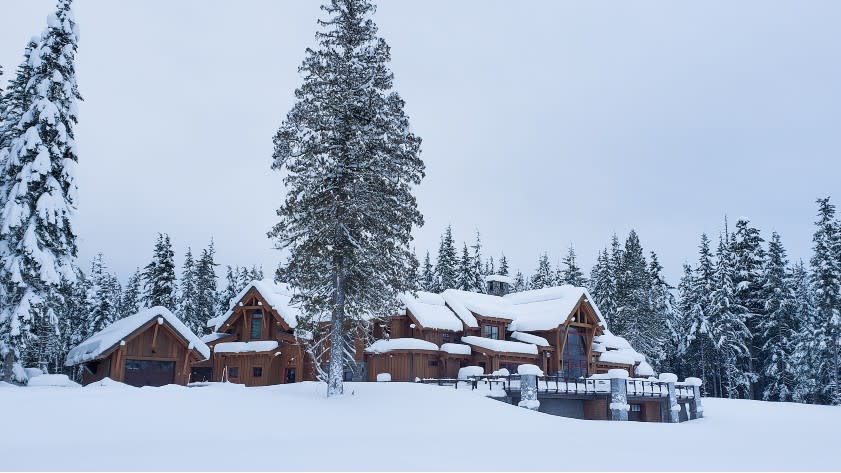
<point>575,361</point>
<point>257,372</point>
<point>490,331</point>
<point>257,325</point>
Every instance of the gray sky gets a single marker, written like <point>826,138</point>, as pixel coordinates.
<point>543,123</point>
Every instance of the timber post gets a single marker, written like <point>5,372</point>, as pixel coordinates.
<point>618,394</point>
<point>696,409</point>
<point>528,392</point>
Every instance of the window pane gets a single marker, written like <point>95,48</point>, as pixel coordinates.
<point>257,372</point>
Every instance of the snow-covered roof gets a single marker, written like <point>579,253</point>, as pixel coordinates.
<point>102,341</point>
<point>456,348</point>
<point>212,337</point>
<point>547,308</point>
<point>504,346</point>
<point>246,347</point>
<point>278,295</point>
<point>465,303</point>
<point>431,311</point>
<point>529,338</point>
<point>499,278</point>
<point>385,346</point>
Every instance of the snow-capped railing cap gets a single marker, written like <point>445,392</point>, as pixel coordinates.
<point>617,373</point>
<point>693,381</point>
<point>668,377</point>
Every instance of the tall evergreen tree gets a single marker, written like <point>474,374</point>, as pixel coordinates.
<point>351,163</point>
<point>662,305</point>
<point>102,299</point>
<point>206,301</point>
<point>826,286</point>
<point>159,276</point>
<point>427,277</point>
<point>543,276</point>
<point>749,257</point>
<point>130,302</point>
<point>778,325</point>
<point>804,358</point>
<point>503,265</point>
<point>37,241</point>
<point>700,349</point>
<point>188,297</point>
<point>464,272</point>
<point>570,273</point>
<point>602,287</point>
<point>446,273</point>
<point>519,282</point>
<point>478,281</point>
<point>635,320</point>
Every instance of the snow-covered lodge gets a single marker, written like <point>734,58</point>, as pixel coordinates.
<point>558,329</point>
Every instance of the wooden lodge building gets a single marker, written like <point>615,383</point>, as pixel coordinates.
<point>255,343</point>
<point>150,348</point>
<point>559,329</point>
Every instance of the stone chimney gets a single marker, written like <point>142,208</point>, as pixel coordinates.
<point>497,284</point>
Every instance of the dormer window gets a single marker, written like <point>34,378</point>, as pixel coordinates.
<point>257,325</point>
<point>490,331</point>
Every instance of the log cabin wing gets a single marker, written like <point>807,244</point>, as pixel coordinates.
<point>255,342</point>
<point>150,348</point>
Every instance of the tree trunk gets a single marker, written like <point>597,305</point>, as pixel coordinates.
<point>335,372</point>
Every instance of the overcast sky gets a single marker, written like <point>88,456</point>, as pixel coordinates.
<point>544,123</point>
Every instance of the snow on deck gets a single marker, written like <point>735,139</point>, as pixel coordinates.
<point>246,347</point>
<point>504,346</point>
<point>385,346</point>
<point>102,341</point>
<point>734,435</point>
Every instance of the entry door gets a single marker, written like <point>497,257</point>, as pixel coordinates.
<point>290,375</point>
<point>149,372</point>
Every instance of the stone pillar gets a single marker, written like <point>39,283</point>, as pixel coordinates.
<point>671,409</point>
<point>618,394</point>
<point>528,392</point>
<point>696,409</point>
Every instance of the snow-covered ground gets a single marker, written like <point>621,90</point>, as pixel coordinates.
<point>386,426</point>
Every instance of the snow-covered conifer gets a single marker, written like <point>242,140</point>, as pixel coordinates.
<point>778,325</point>
<point>478,282</point>
<point>351,163</point>
<point>37,241</point>
<point>427,276</point>
<point>543,276</point>
<point>571,273</point>
<point>188,295</point>
<point>446,271</point>
<point>749,257</point>
<point>464,272</point>
<point>206,302</point>
<point>519,282</point>
<point>503,265</point>
<point>159,275</point>
<point>130,302</point>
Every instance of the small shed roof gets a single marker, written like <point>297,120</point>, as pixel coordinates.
<point>100,343</point>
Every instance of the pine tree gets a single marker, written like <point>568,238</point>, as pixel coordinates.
<point>503,265</point>
<point>351,163</point>
<point>778,325</point>
<point>446,273</point>
<point>749,257</point>
<point>464,273</point>
<point>427,277</point>
<point>37,242</point>
<point>102,298</point>
<point>189,295</point>
<point>232,288</point>
<point>478,281</point>
<point>543,276</point>
<point>519,282</point>
<point>72,316</point>
<point>826,286</point>
<point>728,330</point>
<point>662,305</point>
<point>700,350</point>
<point>206,302</point>
<point>571,274</point>
<point>13,103</point>
<point>804,358</point>
<point>130,302</point>
<point>489,267</point>
<point>602,287</point>
<point>635,320</point>
<point>159,276</point>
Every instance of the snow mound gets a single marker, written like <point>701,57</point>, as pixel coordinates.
<point>668,377</point>
<point>468,371</point>
<point>529,369</point>
<point>617,374</point>
<point>32,372</point>
<point>383,377</point>
<point>693,381</point>
<point>108,383</point>
<point>60,380</point>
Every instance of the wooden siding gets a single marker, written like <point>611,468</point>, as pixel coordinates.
<point>596,409</point>
<point>405,365</point>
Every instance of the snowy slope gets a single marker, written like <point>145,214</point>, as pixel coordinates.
<point>395,418</point>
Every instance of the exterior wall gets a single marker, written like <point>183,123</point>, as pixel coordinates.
<point>596,409</point>
<point>404,365</point>
<point>103,370</point>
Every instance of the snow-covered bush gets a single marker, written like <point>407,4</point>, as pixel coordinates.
<point>383,377</point>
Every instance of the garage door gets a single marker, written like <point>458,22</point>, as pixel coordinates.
<point>149,372</point>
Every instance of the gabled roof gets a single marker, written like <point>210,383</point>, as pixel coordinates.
<point>277,295</point>
<point>465,304</point>
<point>546,309</point>
<point>430,311</point>
<point>101,343</point>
